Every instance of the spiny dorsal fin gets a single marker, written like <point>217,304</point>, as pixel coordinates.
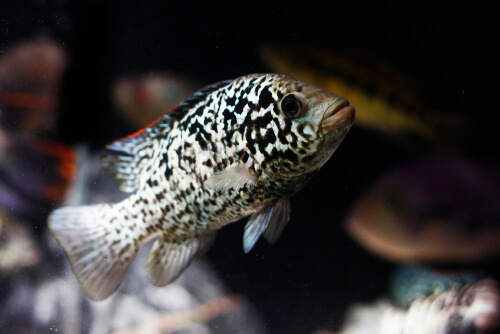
<point>183,107</point>
<point>273,216</point>
<point>169,258</point>
<point>131,154</point>
<point>128,156</point>
<point>127,161</point>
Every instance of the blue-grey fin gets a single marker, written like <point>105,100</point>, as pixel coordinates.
<point>127,157</point>
<point>97,245</point>
<point>256,225</point>
<point>279,219</point>
<point>234,177</point>
<point>169,258</point>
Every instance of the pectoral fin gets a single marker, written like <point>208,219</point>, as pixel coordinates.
<point>232,177</point>
<point>271,218</point>
<point>279,219</point>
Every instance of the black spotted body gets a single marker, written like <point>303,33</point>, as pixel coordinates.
<point>207,142</point>
<point>233,149</point>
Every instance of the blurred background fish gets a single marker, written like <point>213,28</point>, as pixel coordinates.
<point>35,171</point>
<point>31,74</point>
<point>388,99</point>
<point>440,212</point>
<point>142,99</point>
<point>38,169</point>
<point>435,209</point>
<point>411,282</point>
<point>461,309</point>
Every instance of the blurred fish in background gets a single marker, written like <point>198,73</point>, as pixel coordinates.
<point>435,209</point>
<point>35,172</point>
<point>461,309</point>
<point>31,73</point>
<point>439,217</point>
<point>440,209</point>
<point>142,99</point>
<point>388,99</point>
<point>411,282</point>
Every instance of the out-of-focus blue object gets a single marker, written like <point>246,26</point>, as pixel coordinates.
<point>409,283</point>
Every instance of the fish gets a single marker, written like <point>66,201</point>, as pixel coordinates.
<point>35,167</point>
<point>410,282</point>
<point>233,149</point>
<point>471,308</point>
<point>31,76</point>
<point>35,175</point>
<point>435,209</point>
<point>143,98</point>
<point>386,98</point>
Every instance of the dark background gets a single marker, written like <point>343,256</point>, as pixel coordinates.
<point>305,281</point>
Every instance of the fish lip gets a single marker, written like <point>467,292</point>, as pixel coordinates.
<point>335,107</point>
<point>338,113</point>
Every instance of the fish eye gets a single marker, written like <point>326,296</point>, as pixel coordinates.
<point>291,105</point>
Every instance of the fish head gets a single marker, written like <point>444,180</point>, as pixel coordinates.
<point>310,124</point>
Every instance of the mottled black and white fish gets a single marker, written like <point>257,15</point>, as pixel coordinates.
<point>233,149</point>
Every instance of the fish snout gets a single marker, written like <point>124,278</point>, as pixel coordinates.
<point>338,115</point>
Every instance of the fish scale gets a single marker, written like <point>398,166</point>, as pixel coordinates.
<point>233,149</point>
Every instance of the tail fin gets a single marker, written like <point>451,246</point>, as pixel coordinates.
<point>98,243</point>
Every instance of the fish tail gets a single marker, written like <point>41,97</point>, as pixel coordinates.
<point>99,243</point>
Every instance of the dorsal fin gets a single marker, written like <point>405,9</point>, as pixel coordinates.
<point>131,154</point>
<point>183,107</point>
<point>128,156</point>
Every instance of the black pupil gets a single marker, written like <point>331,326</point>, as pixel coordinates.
<point>291,105</point>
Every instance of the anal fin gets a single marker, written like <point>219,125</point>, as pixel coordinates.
<point>169,258</point>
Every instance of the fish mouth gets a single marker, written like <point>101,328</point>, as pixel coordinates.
<point>338,114</point>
